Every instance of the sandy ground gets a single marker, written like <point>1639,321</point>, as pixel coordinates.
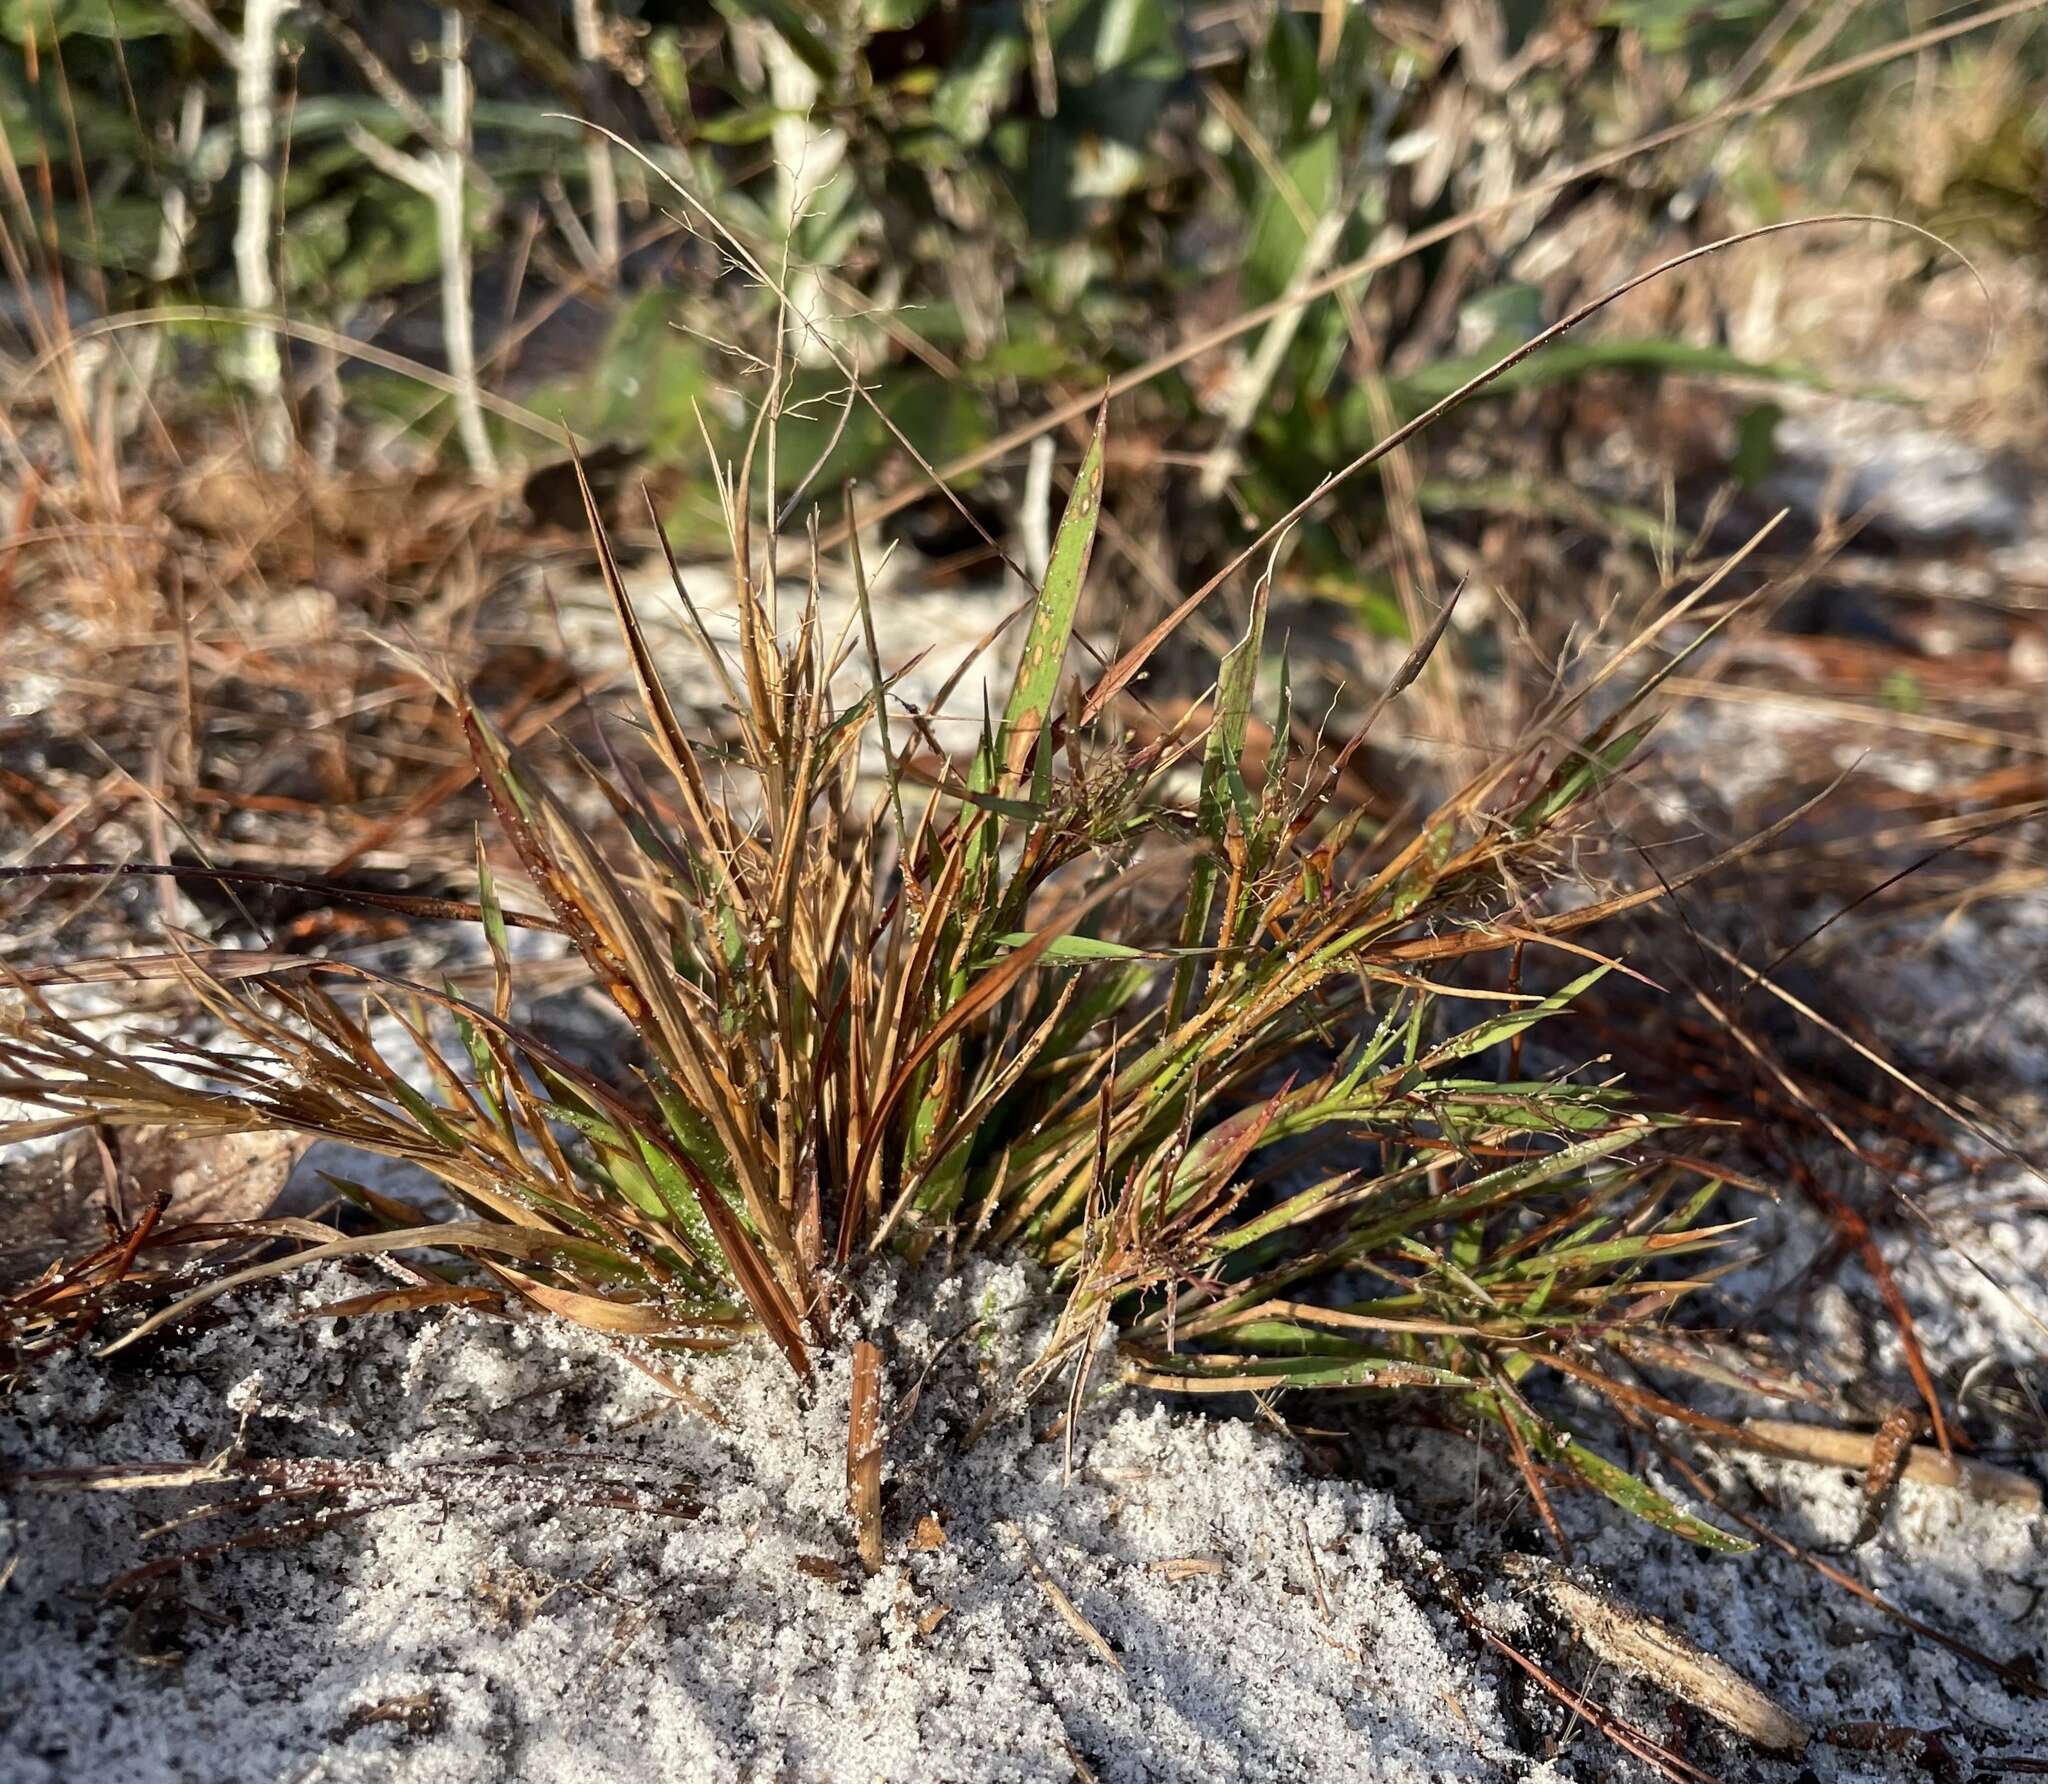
<point>557,1573</point>
<point>535,1564</point>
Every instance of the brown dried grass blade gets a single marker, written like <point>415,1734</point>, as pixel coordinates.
<point>1827,1447</point>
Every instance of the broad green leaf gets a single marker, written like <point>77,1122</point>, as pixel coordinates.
<point>126,20</point>
<point>787,19</point>
<point>1290,70</point>
<point>1277,235</point>
<point>977,85</point>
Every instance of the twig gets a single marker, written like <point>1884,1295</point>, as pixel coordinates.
<point>2015,1676</point>
<point>441,177</point>
<point>1623,1734</point>
<point>1069,1612</point>
<point>604,181</point>
<point>1652,1650</point>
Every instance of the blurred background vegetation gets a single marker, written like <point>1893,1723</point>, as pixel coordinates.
<point>986,207</point>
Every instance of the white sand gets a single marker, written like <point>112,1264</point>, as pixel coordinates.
<point>531,1639</point>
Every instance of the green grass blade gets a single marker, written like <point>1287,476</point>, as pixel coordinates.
<point>1613,1481</point>
<point>1477,1039</point>
<point>1052,620</point>
<point>1237,680</point>
<point>1076,947</point>
<point>1584,773</point>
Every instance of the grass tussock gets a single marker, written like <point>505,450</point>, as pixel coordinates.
<point>1226,1057</point>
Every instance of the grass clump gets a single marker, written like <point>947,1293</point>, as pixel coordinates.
<point>1204,1044</point>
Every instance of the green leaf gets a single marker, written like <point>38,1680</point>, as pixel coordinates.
<point>748,123</point>
<point>487,900</point>
<point>788,21</point>
<point>978,84</point>
<point>1277,236</point>
<point>429,1117</point>
<point>121,233</point>
<point>1052,619</point>
<point>1756,444</point>
<point>123,19</point>
<point>893,15</point>
<point>1130,36</point>
<point>1496,1187</point>
<point>1237,679</point>
<point>1505,316</point>
<point>487,1087</point>
<point>1416,884</point>
<point>1097,1002</point>
<point>678,1195</point>
<point>695,1135</point>
<point>393,241</point>
<point>1635,1496</point>
<point>1290,66</point>
<point>1622,1251</point>
<point>668,69</point>
<point>1087,947</point>
<point>1583,773</point>
<point>1025,811</point>
<point>1358,1370</point>
<point>1902,692</point>
<point>1504,1028</point>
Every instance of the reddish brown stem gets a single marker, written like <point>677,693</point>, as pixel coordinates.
<point>864,1455</point>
